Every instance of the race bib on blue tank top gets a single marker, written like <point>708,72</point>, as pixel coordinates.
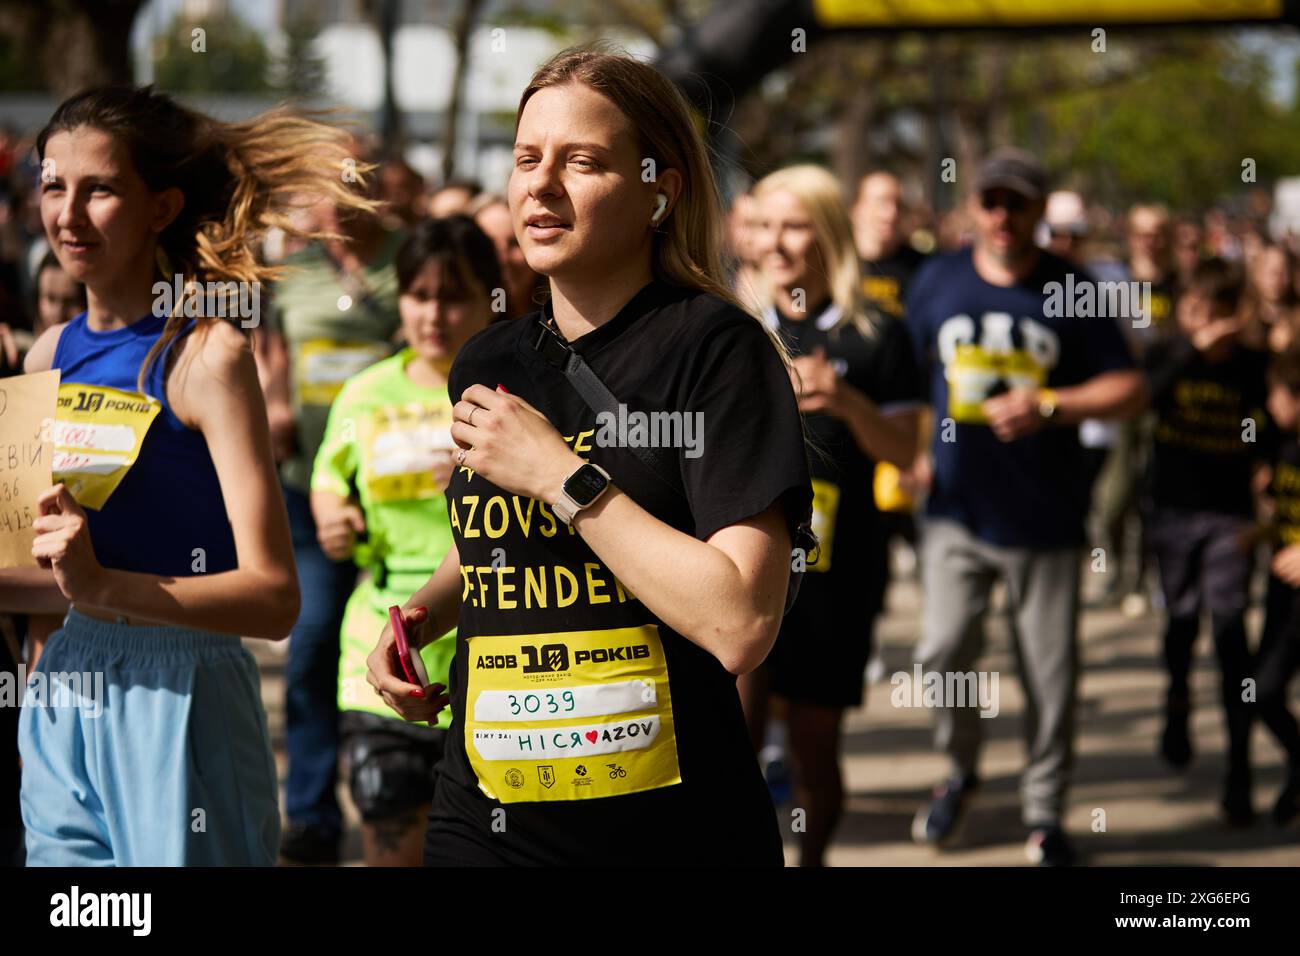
<point>97,436</point>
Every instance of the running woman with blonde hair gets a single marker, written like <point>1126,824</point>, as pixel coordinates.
<point>860,392</point>
<point>609,584</point>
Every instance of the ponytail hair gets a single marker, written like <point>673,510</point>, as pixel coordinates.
<point>238,179</point>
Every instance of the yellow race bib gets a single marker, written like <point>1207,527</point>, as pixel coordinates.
<point>973,372</point>
<point>888,490</point>
<point>826,505</point>
<point>97,436</point>
<point>323,365</point>
<point>576,715</point>
<point>402,444</point>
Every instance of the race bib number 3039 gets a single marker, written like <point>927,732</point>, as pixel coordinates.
<point>97,436</point>
<point>570,716</point>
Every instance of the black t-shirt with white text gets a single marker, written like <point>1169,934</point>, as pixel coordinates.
<point>586,731</point>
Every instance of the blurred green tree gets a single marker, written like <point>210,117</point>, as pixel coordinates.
<point>1163,114</point>
<point>227,56</point>
<point>1177,131</point>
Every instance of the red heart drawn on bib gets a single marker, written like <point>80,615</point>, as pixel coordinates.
<point>591,736</point>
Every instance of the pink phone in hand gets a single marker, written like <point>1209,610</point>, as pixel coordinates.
<point>412,663</point>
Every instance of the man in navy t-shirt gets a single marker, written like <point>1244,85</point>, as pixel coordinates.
<point>1018,353</point>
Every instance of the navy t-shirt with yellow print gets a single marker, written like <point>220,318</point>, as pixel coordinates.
<point>976,340</point>
<point>585,730</point>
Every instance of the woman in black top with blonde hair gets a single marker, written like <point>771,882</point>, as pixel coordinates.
<point>605,605</point>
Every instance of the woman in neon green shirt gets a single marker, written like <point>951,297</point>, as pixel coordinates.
<point>377,497</point>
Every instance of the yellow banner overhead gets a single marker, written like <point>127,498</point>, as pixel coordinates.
<point>921,14</point>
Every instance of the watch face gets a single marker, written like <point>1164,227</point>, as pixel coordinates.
<point>585,484</point>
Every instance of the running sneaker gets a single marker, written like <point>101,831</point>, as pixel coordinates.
<point>309,845</point>
<point>1286,810</point>
<point>936,824</point>
<point>1049,846</point>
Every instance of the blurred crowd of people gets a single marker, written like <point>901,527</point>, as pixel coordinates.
<point>1174,481</point>
<point>894,229</point>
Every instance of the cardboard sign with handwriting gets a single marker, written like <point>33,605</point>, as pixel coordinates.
<point>27,405</point>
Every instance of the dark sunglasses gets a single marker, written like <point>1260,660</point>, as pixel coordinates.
<point>1012,202</point>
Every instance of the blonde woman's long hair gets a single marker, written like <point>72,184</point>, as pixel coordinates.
<point>688,245</point>
<point>238,179</point>
<point>821,196</point>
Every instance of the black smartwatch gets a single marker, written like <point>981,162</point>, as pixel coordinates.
<point>581,489</point>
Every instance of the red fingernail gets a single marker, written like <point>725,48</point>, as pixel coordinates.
<point>502,388</point>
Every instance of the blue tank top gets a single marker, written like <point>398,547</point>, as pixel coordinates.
<point>169,503</point>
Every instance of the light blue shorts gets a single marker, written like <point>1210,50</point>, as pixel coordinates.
<point>155,753</point>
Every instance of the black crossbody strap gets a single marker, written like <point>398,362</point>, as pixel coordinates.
<point>597,395</point>
<point>601,399</point>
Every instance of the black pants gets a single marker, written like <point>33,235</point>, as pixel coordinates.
<point>311,675</point>
<point>1230,645</point>
<point>467,828</point>
<point>1276,663</point>
<point>1203,567</point>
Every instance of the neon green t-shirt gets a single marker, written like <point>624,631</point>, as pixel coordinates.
<point>381,440</point>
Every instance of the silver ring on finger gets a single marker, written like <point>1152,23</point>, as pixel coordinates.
<point>460,456</point>
<point>470,420</point>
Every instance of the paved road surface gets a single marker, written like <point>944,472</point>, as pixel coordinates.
<point>1151,815</point>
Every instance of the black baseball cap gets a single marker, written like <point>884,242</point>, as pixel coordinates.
<point>1013,169</point>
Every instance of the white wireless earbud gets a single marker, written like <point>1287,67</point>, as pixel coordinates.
<point>661,206</point>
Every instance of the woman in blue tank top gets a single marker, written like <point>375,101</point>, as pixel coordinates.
<point>166,532</point>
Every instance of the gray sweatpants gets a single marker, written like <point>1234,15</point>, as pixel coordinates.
<point>958,572</point>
